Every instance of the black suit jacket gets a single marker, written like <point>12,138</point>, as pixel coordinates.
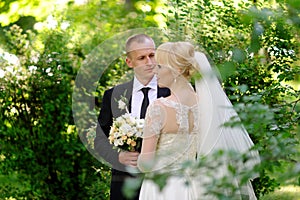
<point>110,110</point>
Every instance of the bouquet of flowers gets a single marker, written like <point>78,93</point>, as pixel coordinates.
<point>126,130</point>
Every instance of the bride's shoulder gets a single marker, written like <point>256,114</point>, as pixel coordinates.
<point>159,101</point>
<point>156,108</point>
<point>163,101</point>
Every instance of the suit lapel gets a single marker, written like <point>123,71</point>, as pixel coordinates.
<point>128,87</point>
<point>129,94</point>
<point>124,90</point>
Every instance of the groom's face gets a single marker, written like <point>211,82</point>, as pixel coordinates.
<point>141,59</point>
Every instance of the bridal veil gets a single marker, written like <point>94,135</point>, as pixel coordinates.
<point>216,109</point>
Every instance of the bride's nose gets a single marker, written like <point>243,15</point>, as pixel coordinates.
<point>155,69</point>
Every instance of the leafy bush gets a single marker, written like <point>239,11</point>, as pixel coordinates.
<point>39,142</point>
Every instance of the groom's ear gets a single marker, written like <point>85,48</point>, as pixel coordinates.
<point>129,62</point>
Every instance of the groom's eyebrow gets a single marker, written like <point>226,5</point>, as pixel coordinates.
<point>152,54</point>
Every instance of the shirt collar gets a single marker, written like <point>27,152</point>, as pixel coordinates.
<point>137,85</point>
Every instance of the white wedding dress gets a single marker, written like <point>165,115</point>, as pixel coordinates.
<point>173,149</point>
<point>191,132</point>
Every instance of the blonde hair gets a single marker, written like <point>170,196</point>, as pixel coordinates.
<point>178,55</point>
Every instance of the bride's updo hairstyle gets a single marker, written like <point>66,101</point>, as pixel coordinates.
<point>178,56</point>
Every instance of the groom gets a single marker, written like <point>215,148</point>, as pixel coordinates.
<point>140,51</point>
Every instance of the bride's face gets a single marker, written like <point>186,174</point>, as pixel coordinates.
<point>164,74</point>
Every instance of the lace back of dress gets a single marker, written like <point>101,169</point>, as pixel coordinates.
<point>177,142</point>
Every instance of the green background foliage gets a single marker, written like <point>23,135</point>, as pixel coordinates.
<point>253,44</point>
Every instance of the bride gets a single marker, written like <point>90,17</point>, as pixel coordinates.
<point>186,126</point>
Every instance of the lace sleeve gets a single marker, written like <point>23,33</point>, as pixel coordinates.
<point>154,120</point>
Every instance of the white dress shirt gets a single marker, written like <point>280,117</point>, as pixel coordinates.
<point>138,96</point>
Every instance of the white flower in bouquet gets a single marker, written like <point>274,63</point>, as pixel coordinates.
<point>120,120</point>
<point>126,130</point>
<point>118,142</point>
<point>131,120</point>
<point>140,123</point>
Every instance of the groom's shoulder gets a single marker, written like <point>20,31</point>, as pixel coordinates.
<point>119,88</point>
<point>163,92</point>
<point>163,88</point>
<point>124,85</point>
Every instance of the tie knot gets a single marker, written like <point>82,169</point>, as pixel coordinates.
<point>145,90</point>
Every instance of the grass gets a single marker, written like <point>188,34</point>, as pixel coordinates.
<point>284,193</point>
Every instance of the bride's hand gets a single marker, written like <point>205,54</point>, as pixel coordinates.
<point>128,158</point>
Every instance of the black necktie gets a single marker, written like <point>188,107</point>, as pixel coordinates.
<point>145,102</point>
